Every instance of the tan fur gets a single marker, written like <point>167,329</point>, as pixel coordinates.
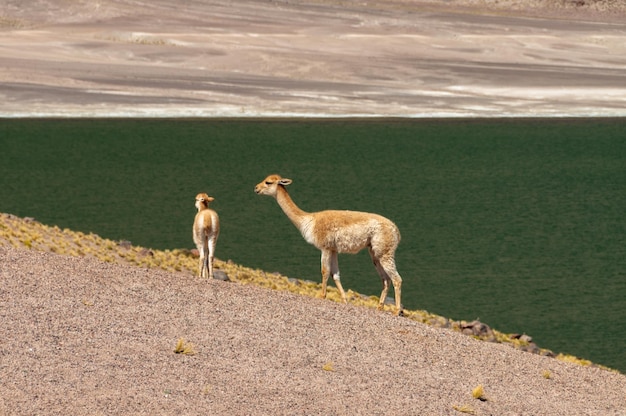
<point>336,232</point>
<point>206,229</point>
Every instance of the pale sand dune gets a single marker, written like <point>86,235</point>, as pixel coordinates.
<point>318,58</point>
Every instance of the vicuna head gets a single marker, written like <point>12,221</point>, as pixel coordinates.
<point>270,185</point>
<point>202,201</point>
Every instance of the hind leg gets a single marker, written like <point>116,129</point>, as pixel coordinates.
<point>383,277</point>
<point>383,295</point>
<point>200,265</point>
<point>204,260</point>
<point>389,266</point>
<point>201,261</point>
<point>210,257</point>
<point>386,268</point>
<point>203,249</point>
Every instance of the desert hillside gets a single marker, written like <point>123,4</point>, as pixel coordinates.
<point>89,334</point>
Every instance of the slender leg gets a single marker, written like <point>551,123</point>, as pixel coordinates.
<point>384,278</point>
<point>326,267</point>
<point>334,269</point>
<point>202,261</point>
<point>383,294</point>
<point>205,258</point>
<point>197,239</point>
<point>386,267</point>
<point>397,288</point>
<point>211,257</point>
<point>389,266</point>
<point>200,264</point>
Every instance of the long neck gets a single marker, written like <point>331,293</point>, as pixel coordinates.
<point>295,214</point>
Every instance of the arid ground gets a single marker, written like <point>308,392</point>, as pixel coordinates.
<point>213,58</point>
<point>87,337</point>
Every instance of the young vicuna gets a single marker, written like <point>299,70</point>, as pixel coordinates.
<point>336,232</point>
<point>206,229</point>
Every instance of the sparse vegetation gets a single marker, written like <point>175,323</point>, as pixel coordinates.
<point>572,359</point>
<point>183,347</point>
<point>464,409</point>
<point>479,393</point>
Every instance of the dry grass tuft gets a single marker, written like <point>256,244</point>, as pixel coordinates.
<point>464,409</point>
<point>183,347</point>
<point>328,366</point>
<point>479,393</point>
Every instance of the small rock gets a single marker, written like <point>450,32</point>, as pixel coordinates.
<point>220,275</point>
<point>478,329</point>
<point>124,244</point>
<point>532,348</point>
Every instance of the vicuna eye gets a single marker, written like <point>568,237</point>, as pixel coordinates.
<point>268,182</point>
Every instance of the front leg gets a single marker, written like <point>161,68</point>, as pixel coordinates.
<point>334,269</point>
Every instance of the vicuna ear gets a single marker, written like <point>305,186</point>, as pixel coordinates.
<point>210,199</point>
<point>284,181</point>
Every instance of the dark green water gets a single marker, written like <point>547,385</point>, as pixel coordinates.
<point>519,223</point>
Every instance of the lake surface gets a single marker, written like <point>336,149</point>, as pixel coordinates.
<point>519,223</point>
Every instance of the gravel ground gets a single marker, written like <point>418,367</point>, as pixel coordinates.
<point>88,337</point>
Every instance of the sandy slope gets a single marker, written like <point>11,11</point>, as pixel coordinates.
<point>247,58</point>
<point>87,337</point>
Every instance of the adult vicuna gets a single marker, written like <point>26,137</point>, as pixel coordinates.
<point>336,232</point>
<point>206,229</point>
